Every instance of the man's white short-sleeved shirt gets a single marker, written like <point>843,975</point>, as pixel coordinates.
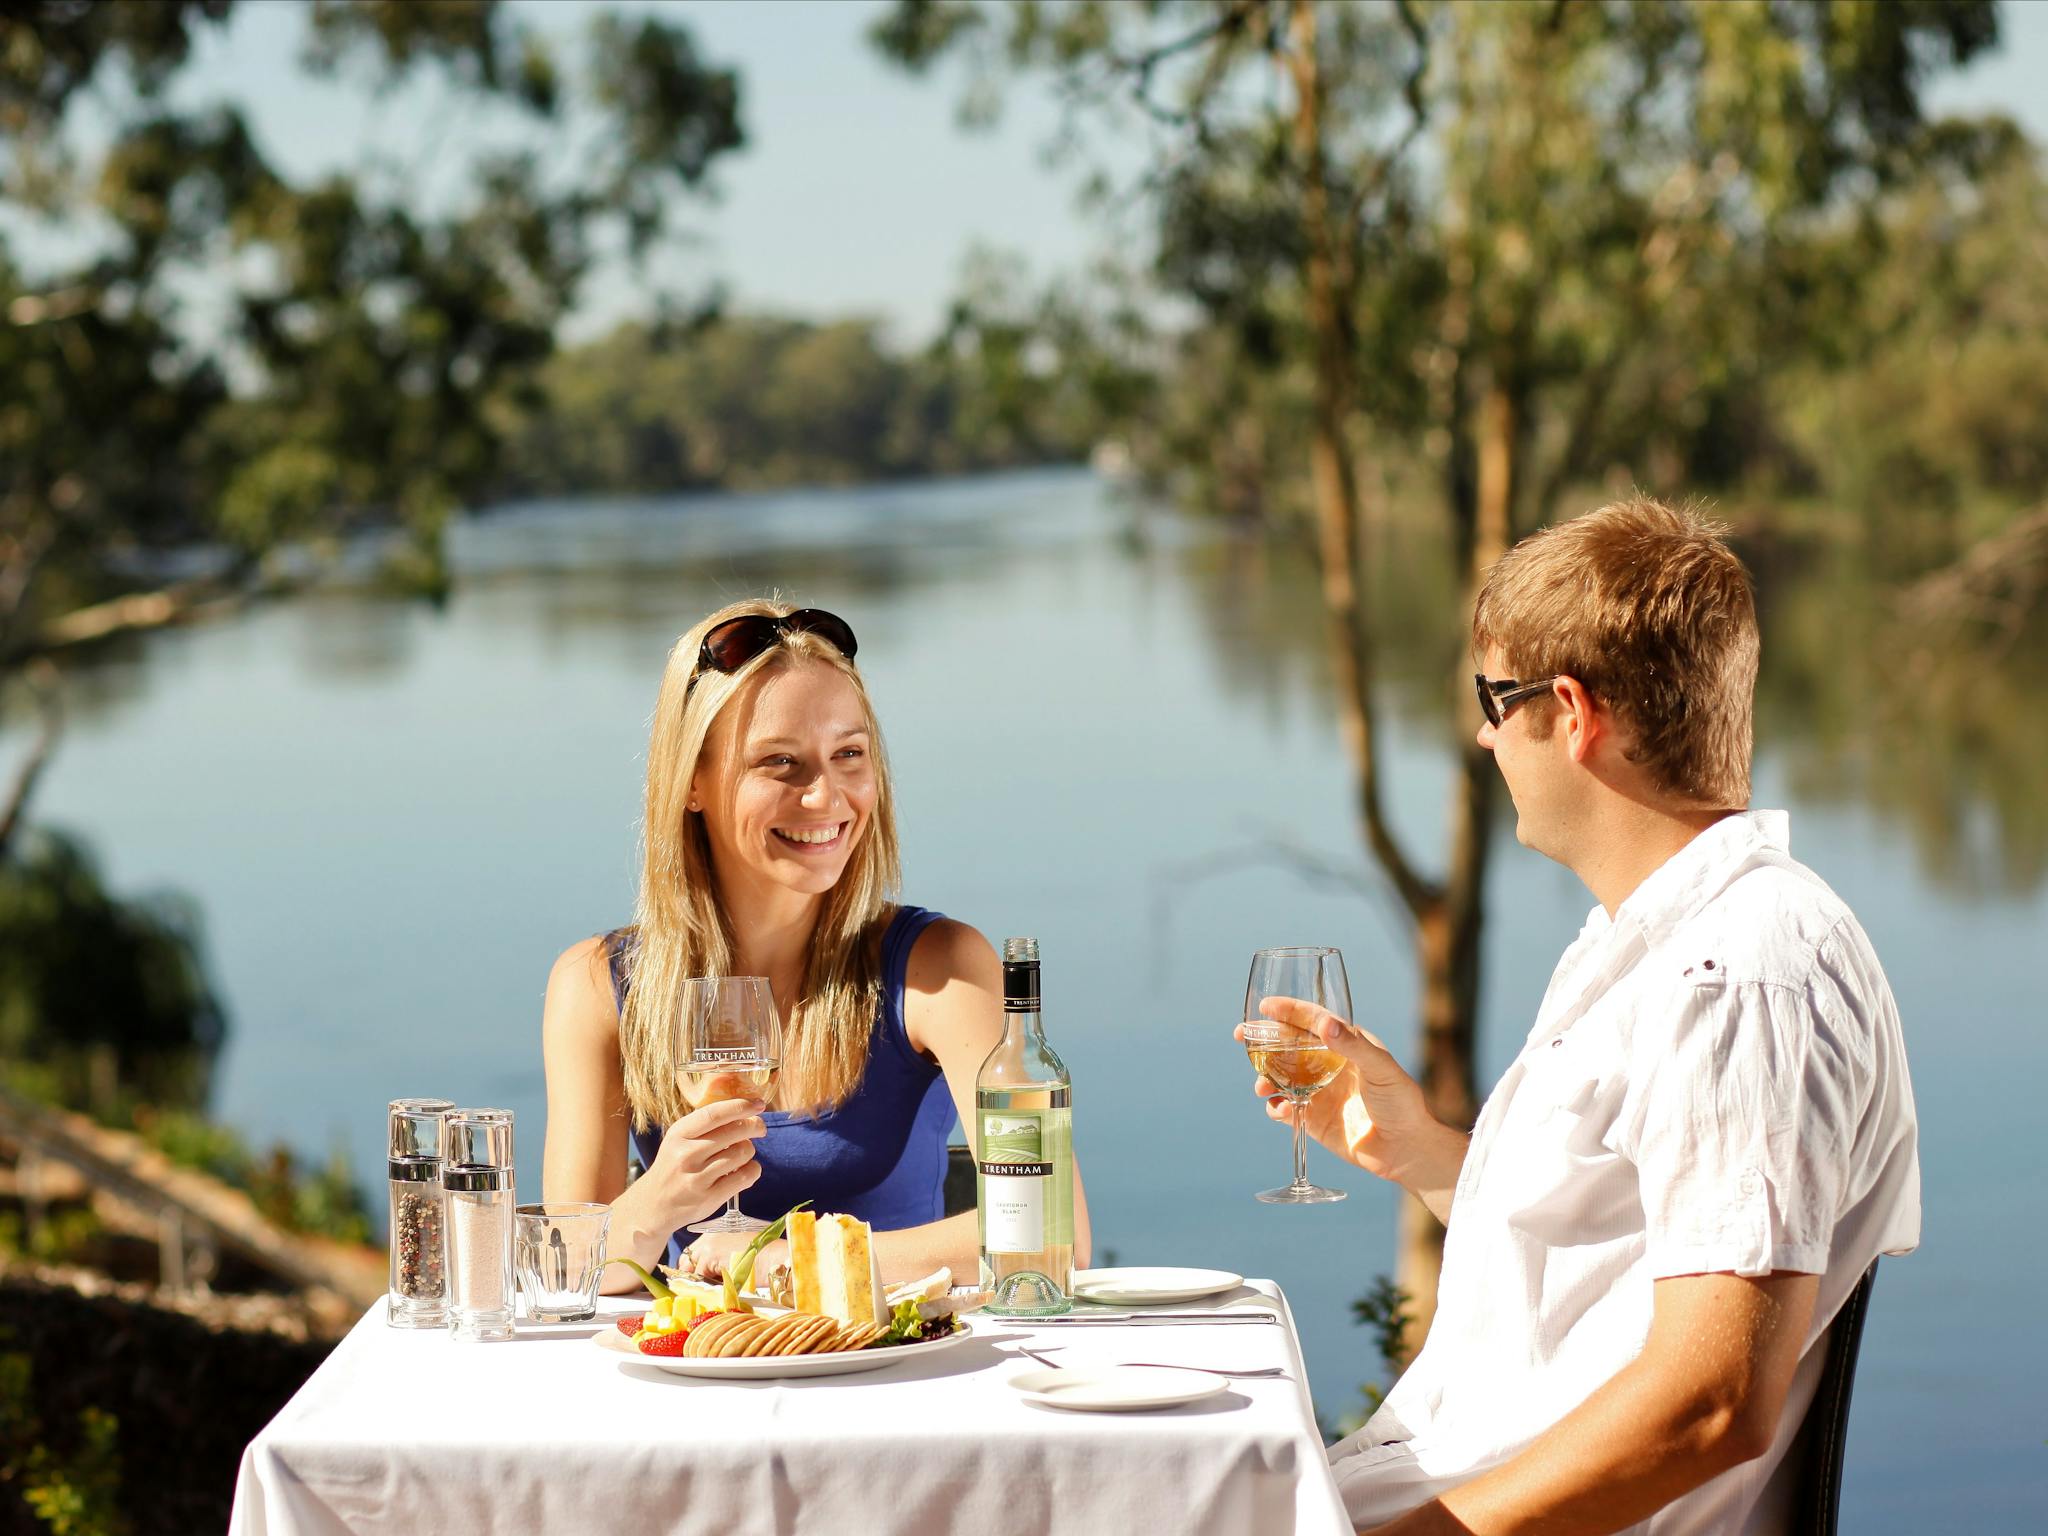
<point>1716,1082</point>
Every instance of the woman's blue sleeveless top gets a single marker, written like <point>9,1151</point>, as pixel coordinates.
<point>880,1156</point>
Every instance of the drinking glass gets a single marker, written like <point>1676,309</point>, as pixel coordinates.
<point>558,1250</point>
<point>1296,1063</point>
<point>728,1046</point>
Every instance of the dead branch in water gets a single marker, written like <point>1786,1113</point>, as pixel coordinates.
<point>1996,585</point>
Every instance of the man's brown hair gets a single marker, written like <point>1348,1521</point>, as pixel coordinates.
<point>1652,612</point>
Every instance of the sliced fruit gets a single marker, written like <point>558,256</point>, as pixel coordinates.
<point>700,1294</point>
<point>632,1325</point>
<point>670,1343</point>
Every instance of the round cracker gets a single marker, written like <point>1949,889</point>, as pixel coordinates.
<point>797,1334</point>
<point>858,1335</point>
<point>705,1338</point>
<point>737,1340</point>
<point>768,1340</point>
<point>815,1334</point>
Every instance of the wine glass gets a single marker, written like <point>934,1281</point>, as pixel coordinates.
<point>728,1046</point>
<point>1296,1063</point>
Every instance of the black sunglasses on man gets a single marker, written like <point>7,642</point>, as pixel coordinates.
<point>1499,695</point>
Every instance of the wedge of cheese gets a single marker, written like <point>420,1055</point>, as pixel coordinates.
<point>833,1269</point>
<point>930,1288</point>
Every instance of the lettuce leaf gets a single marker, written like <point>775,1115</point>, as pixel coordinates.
<point>906,1326</point>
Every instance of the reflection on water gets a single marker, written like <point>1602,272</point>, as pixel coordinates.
<point>1937,733</point>
<point>1103,721</point>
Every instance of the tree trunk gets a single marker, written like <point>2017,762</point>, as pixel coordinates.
<point>43,679</point>
<point>1446,919</point>
<point>1328,268</point>
<point>1447,931</point>
<point>1499,421</point>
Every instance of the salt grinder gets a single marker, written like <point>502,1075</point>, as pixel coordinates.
<point>476,1170</point>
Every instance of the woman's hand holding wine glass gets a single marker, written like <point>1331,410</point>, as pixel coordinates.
<point>728,1049</point>
<point>707,1158</point>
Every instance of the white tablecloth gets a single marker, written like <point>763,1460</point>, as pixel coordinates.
<point>412,1432</point>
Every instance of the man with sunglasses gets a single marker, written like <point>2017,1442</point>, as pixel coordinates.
<point>1709,1136</point>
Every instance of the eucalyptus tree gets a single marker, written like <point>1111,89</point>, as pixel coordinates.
<point>196,344</point>
<point>1534,240</point>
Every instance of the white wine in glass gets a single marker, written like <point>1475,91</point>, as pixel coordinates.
<point>728,1046</point>
<point>1298,1064</point>
<point>720,1081</point>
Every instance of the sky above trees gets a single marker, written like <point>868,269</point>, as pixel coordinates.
<point>856,191</point>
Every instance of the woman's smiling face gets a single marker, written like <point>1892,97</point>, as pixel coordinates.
<point>786,782</point>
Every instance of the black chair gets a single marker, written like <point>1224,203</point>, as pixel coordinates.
<point>1817,1453</point>
<point>959,1180</point>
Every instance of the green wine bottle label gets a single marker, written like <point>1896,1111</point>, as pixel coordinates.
<point>1027,1179</point>
<point>1016,1181</point>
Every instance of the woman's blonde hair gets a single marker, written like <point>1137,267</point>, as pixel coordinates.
<point>679,928</point>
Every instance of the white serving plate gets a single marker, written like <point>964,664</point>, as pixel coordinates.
<point>1129,1287</point>
<point>1116,1388</point>
<point>839,1363</point>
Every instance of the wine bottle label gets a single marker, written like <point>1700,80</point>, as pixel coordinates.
<point>1016,1180</point>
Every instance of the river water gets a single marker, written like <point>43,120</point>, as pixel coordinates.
<point>1110,729</point>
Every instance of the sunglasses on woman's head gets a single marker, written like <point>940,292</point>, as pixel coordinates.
<point>729,646</point>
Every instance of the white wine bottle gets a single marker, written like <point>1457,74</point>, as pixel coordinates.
<point>1024,1155</point>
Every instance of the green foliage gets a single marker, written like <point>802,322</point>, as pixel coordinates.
<point>1923,422</point>
<point>105,1006</point>
<point>1585,240</point>
<point>325,1202</point>
<point>65,1236</point>
<point>85,976</point>
<point>1387,1310</point>
<point>368,326</point>
<point>72,1491</point>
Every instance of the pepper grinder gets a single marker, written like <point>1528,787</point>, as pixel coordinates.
<point>418,1295</point>
<point>476,1170</point>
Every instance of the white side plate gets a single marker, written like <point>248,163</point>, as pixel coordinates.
<point>1117,1388</point>
<point>1151,1287</point>
<point>843,1363</point>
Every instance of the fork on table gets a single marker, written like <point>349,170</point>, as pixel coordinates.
<point>1259,1372</point>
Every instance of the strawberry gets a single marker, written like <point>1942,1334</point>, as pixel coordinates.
<point>665,1343</point>
<point>631,1325</point>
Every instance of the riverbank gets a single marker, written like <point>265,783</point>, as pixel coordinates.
<point>121,1416</point>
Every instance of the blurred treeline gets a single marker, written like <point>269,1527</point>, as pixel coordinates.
<point>1907,411</point>
<point>747,401</point>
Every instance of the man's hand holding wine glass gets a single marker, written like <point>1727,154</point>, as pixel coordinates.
<point>1372,1113</point>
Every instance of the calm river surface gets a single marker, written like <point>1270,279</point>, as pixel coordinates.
<point>1103,723</point>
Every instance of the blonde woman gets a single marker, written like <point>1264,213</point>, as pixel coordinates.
<point>771,851</point>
